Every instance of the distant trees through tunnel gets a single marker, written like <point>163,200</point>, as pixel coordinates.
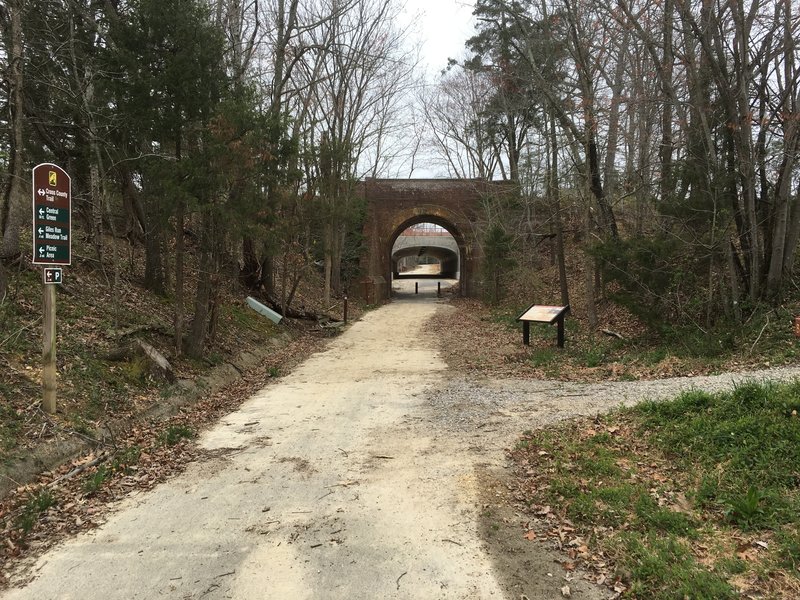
<point>425,250</point>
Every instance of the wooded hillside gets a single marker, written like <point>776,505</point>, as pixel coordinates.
<point>661,135</point>
<point>238,127</point>
<point>660,139</point>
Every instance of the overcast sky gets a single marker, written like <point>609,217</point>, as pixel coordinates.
<point>444,25</point>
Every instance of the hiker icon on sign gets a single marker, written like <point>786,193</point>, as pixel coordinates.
<point>52,178</point>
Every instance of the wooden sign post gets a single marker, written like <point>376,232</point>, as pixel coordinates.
<point>49,350</point>
<point>543,314</point>
<point>52,245</point>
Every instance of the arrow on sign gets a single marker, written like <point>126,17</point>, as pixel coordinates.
<point>41,192</point>
<point>53,275</point>
<point>41,213</point>
<point>41,250</point>
<point>41,231</point>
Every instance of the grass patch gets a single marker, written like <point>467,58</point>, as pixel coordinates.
<point>123,462</point>
<point>10,426</point>
<point>96,480</point>
<point>745,445</point>
<point>788,550</point>
<point>36,505</point>
<point>127,458</point>
<point>666,478</point>
<point>663,567</point>
<point>176,433</point>
<point>593,356</point>
<point>507,317</point>
<point>242,316</point>
<point>543,357</point>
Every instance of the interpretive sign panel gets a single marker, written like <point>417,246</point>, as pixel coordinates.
<point>542,314</point>
<point>52,205</point>
<point>538,313</point>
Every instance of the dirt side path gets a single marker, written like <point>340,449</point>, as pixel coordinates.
<point>336,483</point>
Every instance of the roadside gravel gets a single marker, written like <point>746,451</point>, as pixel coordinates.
<point>506,407</point>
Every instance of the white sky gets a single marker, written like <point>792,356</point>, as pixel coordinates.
<point>444,25</point>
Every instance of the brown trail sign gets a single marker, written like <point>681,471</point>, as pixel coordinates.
<point>52,245</point>
<point>52,204</point>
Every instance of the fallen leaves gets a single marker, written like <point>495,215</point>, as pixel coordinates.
<point>476,339</point>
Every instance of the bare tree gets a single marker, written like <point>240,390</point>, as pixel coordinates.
<point>364,66</point>
<point>454,109</point>
<point>12,202</point>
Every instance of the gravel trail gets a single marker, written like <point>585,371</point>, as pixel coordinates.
<point>358,476</point>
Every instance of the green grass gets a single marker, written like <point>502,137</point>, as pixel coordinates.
<point>507,317</point>
<point>176,433</point>
<point>246,318</point>
<point>745,446</point>
<point>593,356</point>
<point>733,457</point>
<point>10,427</point>
<point>788,550</point>
<point>543,357</point>
<point>123,461</point>
<point>96,480</point>
<point>36,505</point>
<point>663,567</point>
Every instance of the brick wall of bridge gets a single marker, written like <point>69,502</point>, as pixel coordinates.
<point>395,204</point>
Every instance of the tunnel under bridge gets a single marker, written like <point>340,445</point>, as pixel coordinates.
<point>394,205</point>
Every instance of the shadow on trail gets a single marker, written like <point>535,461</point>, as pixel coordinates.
<point>421,289</point>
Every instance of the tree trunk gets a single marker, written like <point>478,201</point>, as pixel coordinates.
<point>589,265</point>
<point>555,198</point>
<point>95,181</point>
<point>784,230</point>
<point>180,209</point>
<point>202,302</point>
<point>591,305</point>
<point>285,283</point>
<point>793,234</point>
<point>665,151</point>
<point>327,244</point>
<point>250,274</point>
<point>14,209</point>
<point>734,273</point>
<point>154,279</point>
<point>135,221</point>
<point>613,122</point>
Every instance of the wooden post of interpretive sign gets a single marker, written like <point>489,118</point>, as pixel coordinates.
<point>543,314</point>
<point>52,245</point>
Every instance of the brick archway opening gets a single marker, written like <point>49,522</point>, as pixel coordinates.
<point>449,260</point>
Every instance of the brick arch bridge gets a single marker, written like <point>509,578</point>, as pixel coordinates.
<point>393,205</point>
